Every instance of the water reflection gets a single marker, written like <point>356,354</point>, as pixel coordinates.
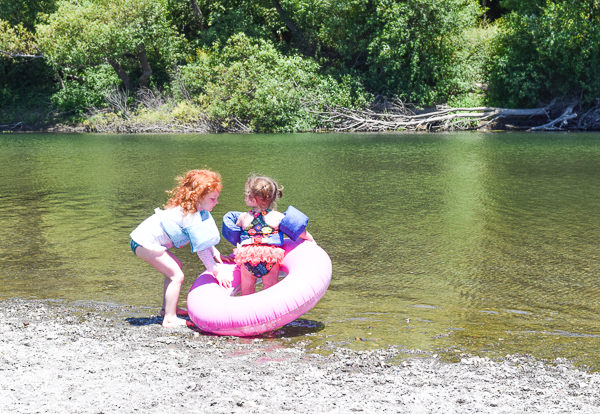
<point>477,243</point>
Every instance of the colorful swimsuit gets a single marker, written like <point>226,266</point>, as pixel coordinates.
<point>259,249</point>
<point>262,246</point>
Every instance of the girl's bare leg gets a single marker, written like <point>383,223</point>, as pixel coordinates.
<point>167,264</point>
<point>179,311</point>
<point>248,282</point>
<point>272,277</point>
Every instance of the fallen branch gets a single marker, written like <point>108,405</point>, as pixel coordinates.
<point>11,127</point>
<point>21,55</point>
<point>342,119</point>
<point>590,119</point>
<point>561,120</point>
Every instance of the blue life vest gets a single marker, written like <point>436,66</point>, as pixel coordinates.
<point>292,225</point>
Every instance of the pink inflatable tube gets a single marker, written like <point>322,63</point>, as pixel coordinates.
<point>215,309</point>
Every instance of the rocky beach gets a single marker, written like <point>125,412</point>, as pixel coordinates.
<point>87,357</point>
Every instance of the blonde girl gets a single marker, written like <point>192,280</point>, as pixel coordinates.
<point>260,233</point>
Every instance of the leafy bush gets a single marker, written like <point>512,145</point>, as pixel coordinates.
<point>24,12</point>
<point>225,18</point>
<point>414,51</point>
<point>471,75</point>
<point>25,90</point>
<point>250,81</point>
<point>555,53</point>
<point>88,91</point>
<point>186,113</point>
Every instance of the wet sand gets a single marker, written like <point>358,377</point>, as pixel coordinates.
<point>58,357</point>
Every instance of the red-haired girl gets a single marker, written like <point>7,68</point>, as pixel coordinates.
<point>185,219</point>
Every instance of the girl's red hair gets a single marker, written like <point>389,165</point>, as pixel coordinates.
<point>192,187</point>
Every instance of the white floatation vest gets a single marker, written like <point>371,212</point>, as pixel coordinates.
<point>202,234</point>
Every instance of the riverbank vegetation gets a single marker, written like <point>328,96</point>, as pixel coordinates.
<point>299,65</point>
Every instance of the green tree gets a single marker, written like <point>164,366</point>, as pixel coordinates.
<point>407,48</point>
<point>552,54</point>
<point>524,7</point>
<point>16,41</point>
<point>25,79</point>
<point>133,36</point>
<point>25,12</point>
<point>335,31</point>
<point>413,49</point>
<point>415,46</point>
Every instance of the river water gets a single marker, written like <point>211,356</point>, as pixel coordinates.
<point>475,243</point>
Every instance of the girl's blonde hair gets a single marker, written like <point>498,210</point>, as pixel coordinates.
<point>264,189</point>
<point>192,187</point>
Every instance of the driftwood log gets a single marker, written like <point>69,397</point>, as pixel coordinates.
<point>11,127</point>
<point>400,117</point>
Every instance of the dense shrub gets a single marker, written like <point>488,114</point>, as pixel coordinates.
<point>411,49</point>
<point>414,52</point>
<point>251,81</point>
<point>89,90</point>
<point>470,75</point>
<point>25,12</point>
<point>553,54</point>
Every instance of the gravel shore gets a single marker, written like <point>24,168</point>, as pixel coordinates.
<point>58,357</point>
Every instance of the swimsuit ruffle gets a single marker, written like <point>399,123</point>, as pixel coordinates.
<point>256,253</point>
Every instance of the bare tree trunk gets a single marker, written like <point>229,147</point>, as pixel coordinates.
<point>562,120</point>
<point>198,13</point>
<point>297,33</point>
<point>60,79</point>
<point>13,55</point>
<point>146,69</point>
<point>121,73</point>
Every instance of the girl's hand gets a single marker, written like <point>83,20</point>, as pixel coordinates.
<point>224,279</point>
<point>227,259</point>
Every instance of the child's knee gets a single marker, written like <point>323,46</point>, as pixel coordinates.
<point>177,277</point>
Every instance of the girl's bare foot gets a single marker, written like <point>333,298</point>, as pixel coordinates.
<point>173,322</point>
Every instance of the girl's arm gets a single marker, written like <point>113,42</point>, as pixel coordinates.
<point>273,219</point>
<point>208,259</point>
<point>244,220</point>
<point>231,231</point>
<point>293,223</point>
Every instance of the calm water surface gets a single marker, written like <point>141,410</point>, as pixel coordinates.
<point>451,243</point>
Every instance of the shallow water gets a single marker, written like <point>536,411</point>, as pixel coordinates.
<point>449,243</point>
